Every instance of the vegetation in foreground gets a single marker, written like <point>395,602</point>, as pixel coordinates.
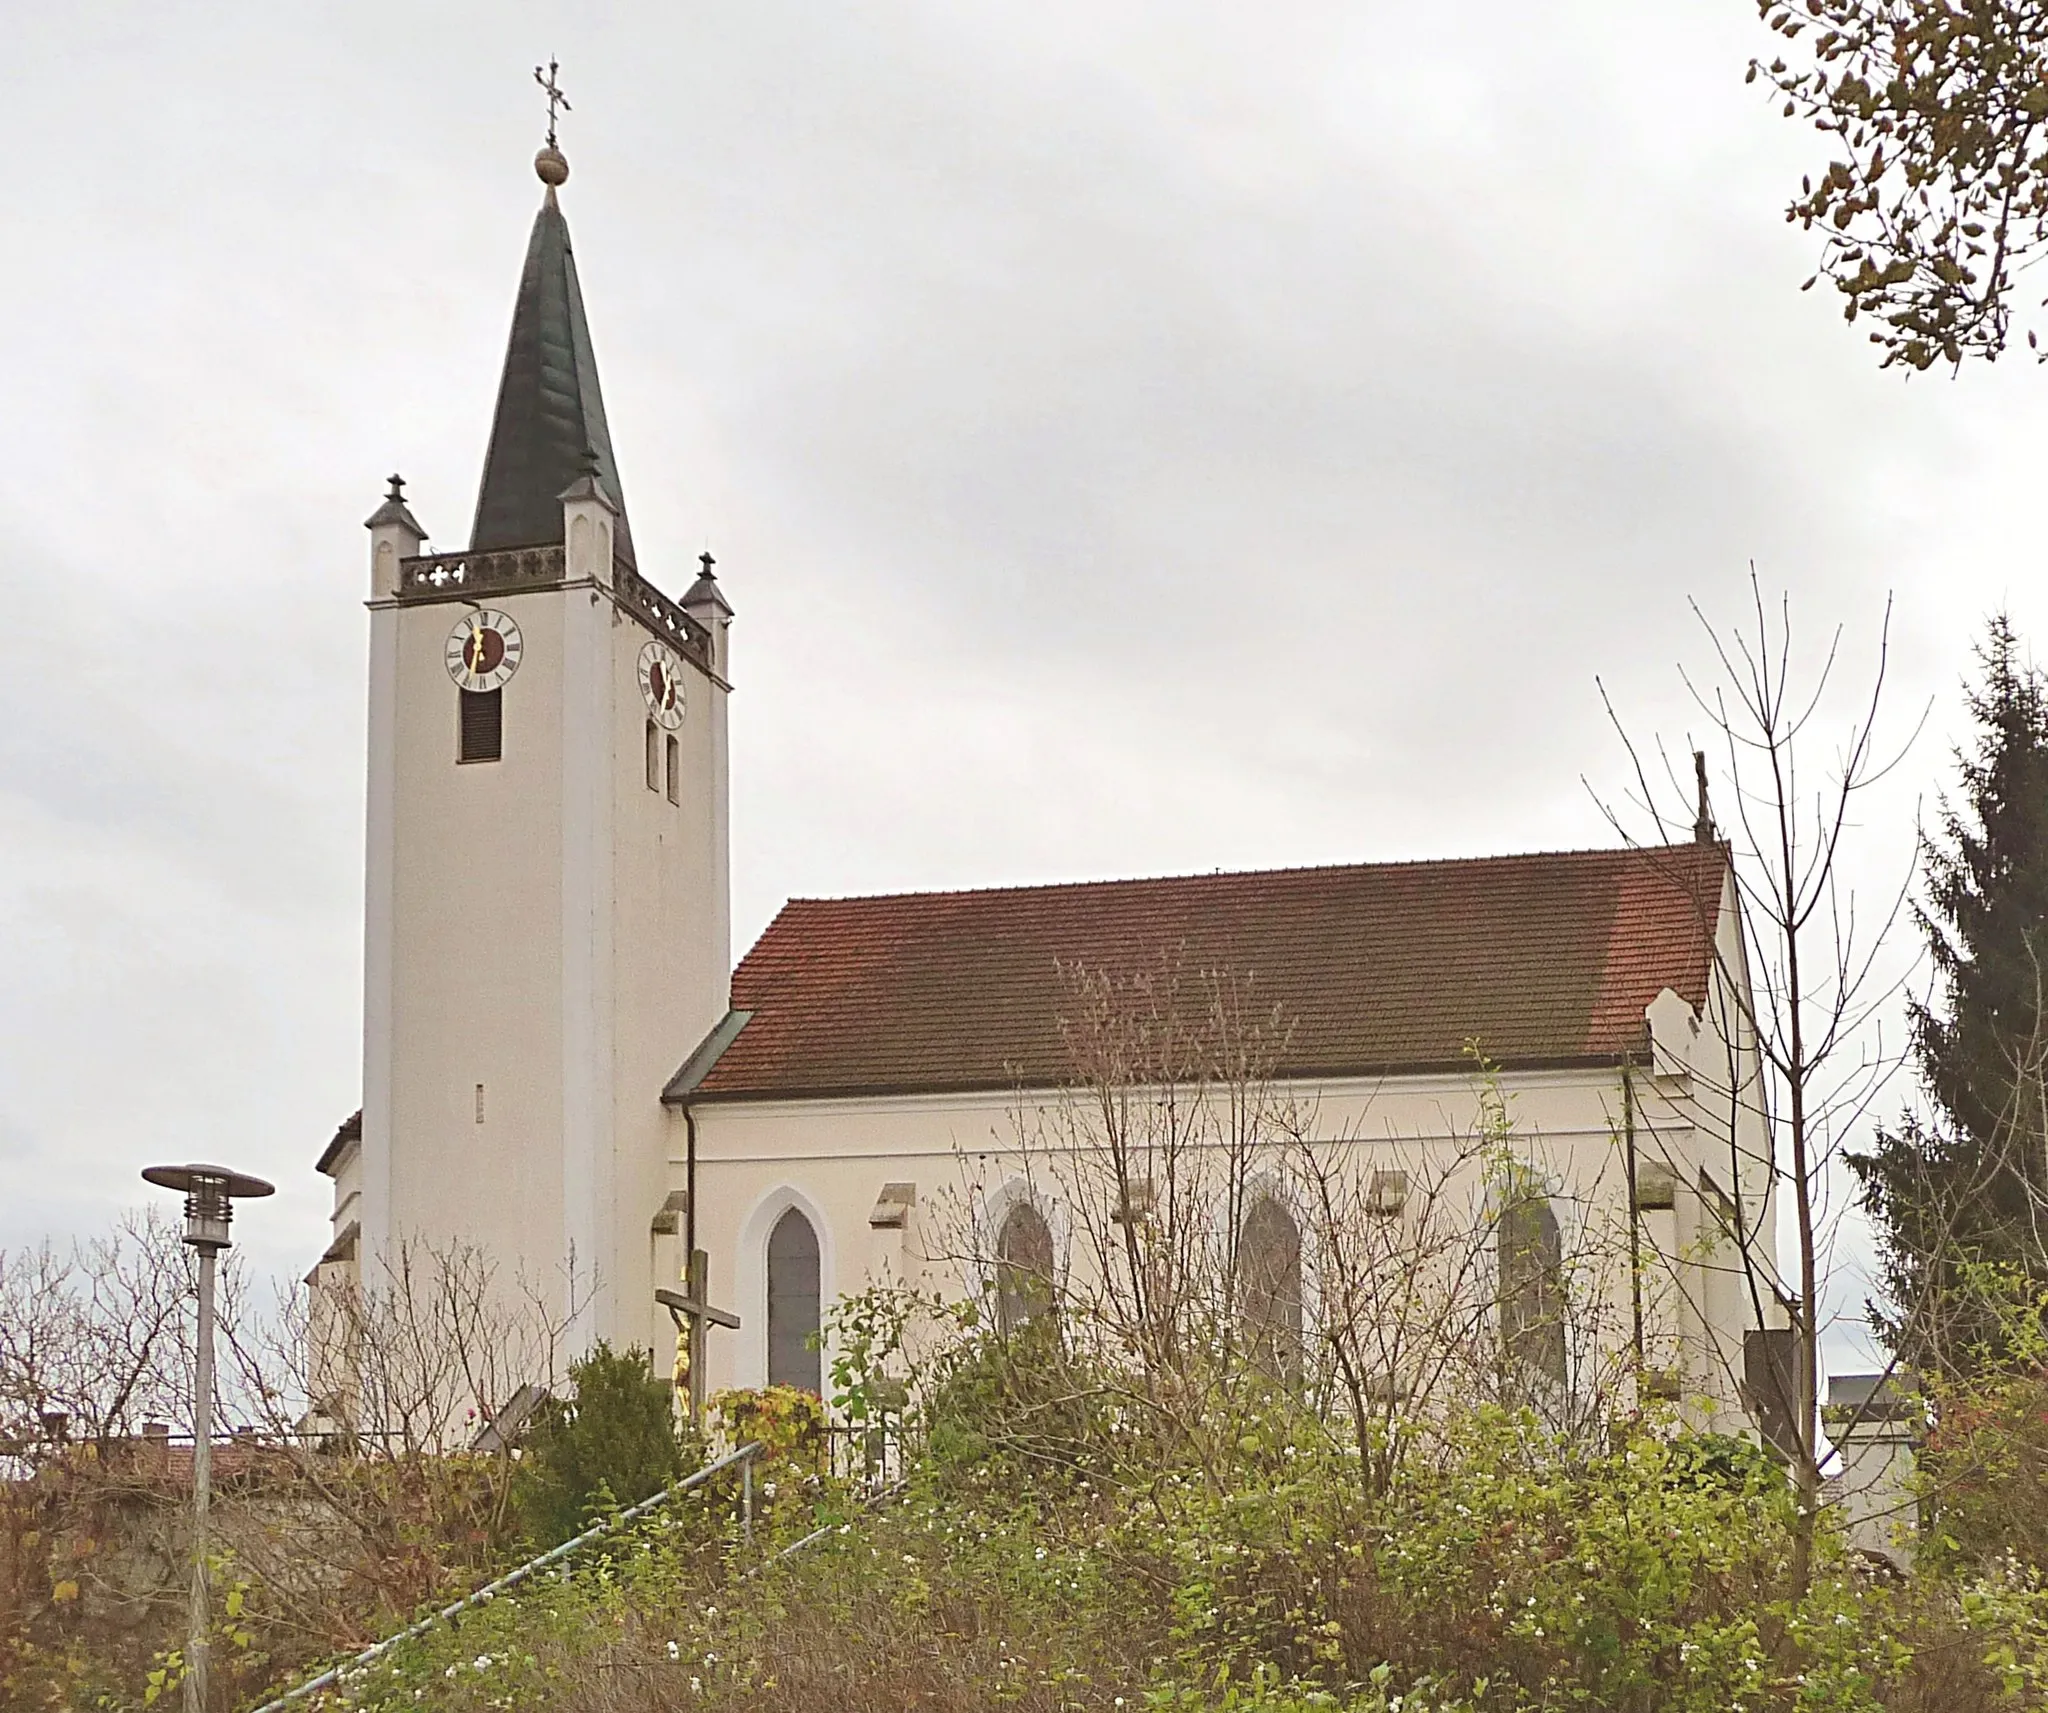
<point>1076,1535</point>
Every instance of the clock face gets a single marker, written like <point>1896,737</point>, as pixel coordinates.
<point>661,683</point>
<point>483,650</point>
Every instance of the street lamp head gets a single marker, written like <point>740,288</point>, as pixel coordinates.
<point>210,1193</point>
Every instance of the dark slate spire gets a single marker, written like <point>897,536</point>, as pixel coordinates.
<point>550,416</point>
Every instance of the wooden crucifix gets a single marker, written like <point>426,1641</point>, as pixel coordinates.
<point>694,1306</point>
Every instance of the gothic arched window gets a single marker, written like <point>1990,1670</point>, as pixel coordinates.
<point>793,1303</point>
<point>1532,1305</point>
<point>1024,1267</point>
<point>1269,1283</point>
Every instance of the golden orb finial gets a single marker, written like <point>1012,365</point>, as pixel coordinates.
<point>551,164</point>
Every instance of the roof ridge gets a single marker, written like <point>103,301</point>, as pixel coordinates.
<point>1384,865</point>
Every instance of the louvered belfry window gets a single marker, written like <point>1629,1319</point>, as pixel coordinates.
<point>482,725</point>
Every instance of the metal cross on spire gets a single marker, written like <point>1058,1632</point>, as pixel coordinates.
<point>556,99</point>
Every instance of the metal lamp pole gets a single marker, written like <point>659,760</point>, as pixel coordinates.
<point>210,1193</point>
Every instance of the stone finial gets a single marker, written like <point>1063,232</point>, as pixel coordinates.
<point>395,535</point>
<point>589,483</point>
<point>706,602</point>
<point>394,510</point>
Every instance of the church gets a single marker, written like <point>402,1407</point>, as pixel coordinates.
<point>564,1066</point>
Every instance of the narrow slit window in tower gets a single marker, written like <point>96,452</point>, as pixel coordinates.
<point>653,756</point>
<point>675,770</point>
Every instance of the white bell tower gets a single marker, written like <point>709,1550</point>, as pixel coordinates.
<point>547,927</point>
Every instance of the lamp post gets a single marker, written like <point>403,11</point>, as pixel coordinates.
<point>210,1193</point>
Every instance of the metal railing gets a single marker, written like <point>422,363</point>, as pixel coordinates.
<point>327,1679</point>
<point>867,1456</point>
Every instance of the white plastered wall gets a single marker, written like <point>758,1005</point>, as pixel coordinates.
<point>961,1151</point>
<point>544,928</point>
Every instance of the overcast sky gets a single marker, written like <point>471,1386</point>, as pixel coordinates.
<point>1136,439</point>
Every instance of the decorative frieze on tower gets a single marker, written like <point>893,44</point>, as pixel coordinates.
<point>547,925</point>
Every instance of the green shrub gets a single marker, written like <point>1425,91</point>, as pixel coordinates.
<point>612,1444</point>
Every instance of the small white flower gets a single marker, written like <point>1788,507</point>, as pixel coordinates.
<point>696,1686</point>
<point>674,1652</point>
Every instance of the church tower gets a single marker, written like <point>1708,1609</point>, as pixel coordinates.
<point>547,925</point>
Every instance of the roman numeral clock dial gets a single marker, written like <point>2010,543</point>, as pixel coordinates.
<point>661,683</point>
<point>483,650</point>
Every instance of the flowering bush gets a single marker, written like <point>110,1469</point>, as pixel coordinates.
<point>788,1423</point>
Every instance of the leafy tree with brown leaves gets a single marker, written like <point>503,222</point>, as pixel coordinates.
<point>1935,195</point>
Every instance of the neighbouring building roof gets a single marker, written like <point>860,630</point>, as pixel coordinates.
<point>153,1461</point>
<point>1544,960</point>
<point>550,413</point>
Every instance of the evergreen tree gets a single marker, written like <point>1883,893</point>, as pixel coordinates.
<point>614,1443</point>
<point>1967,1183</point>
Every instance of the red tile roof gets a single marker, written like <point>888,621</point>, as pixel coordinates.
<point>1543,960</point>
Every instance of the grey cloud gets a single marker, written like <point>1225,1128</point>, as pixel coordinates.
<point>1135,438</point>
